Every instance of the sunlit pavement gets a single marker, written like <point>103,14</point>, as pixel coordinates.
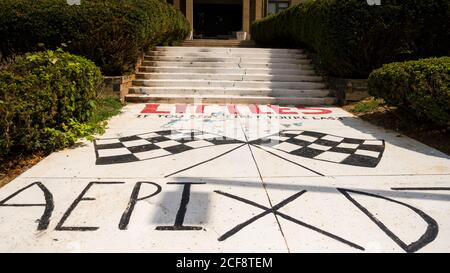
<point>248,178</point>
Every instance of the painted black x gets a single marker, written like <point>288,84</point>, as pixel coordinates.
<point>274,210</point>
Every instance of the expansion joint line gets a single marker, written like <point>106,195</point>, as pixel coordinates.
<point>265,189</point>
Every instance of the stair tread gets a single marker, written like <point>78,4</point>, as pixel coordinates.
<point>220,96</point>
<point>219,62</point>
<point>190,73</point>
<point>225,88</point>
<point>199,48</point>
<point>306,67</point>
<point>216,81</point>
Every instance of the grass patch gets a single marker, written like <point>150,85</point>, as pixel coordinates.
<point>367,105</point>
<point>106,107</point>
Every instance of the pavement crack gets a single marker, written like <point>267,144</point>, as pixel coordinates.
<point>265,190</point>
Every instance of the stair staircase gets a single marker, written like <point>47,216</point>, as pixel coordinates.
<point>228,75</point>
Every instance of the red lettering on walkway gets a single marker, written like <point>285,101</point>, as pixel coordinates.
<point>200,109</point>
<point>153,109</point>
<point>282,110</point>
<point>180,108</point>
<point>315,111</point>
<point>256,110</point>
<point>232,109</point>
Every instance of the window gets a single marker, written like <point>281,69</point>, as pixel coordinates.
<point>276,6</point>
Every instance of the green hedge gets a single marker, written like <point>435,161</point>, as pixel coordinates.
<point>112,33</point>
<point>352,38</point>
<point>421,87</point>
<point>43,98</point>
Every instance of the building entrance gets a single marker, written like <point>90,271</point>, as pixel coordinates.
<point>217,20</point>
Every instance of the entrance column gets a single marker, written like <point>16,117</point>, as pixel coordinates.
<point>190,12</point>
<point>258,9</point>
<point>246,16</point>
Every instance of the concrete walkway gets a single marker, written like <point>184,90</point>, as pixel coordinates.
<point>250,178</point>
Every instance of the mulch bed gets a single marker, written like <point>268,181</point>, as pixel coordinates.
<point>404,123</point>
<point>12,167</point>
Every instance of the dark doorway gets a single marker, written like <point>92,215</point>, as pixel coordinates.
<point>217,20</point>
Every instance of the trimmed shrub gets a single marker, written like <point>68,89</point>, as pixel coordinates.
<point>352,38</point>
<point>421,87</point>
<point>43,98</point>
<point>111,33</point>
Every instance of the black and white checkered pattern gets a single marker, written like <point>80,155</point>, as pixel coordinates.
<point>325,147</point>
<point>154,145</point>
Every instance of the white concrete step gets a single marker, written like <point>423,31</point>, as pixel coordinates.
<point>230,54</point>
<point>227,65</point>
<point>219,42</point>
<point>218,70</point>
<point>228,77</point>
<point>227,59</point>
<point>229,84</point>
<point>265,92</point>
<point>168,98</point>
<point>225,49</point>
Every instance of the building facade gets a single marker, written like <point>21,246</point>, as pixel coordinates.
<point>223,18</point>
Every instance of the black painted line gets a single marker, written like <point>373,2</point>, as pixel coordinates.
<point>426,238</point>
<point>23,205</point>
<point>240,226</point>
<point>80,198</point>
<point>96,150</point>
<point>275,210</point>
<point>181,213</point>
<point>253,219</point>
<point>422,189</point>
<point>321,231</point>
<point>125,219</point>
<point>44,221</point>
<point>264,186</point>
<point>179,219</point>
<point>206,161</point>
<point>158,157</point>
<point>246,201</point>
<point>290,161</point>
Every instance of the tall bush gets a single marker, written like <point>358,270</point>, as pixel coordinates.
<point>421,87</point>
<point>352,38</point>
<point>43,96</point>
<point>112,33</point>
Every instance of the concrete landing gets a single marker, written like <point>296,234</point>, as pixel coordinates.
<point>248,178</point>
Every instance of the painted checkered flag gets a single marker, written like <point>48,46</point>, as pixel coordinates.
<point>154,145</point>
<point>325,147</point>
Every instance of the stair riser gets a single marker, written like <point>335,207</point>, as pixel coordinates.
<point>235,55</point>
<point>241,100</point>
<point>230,84</point>
<point>222,46</point>
<point>226,50</point>
<point>225,77</point>
<point>228,65</point>
<point>234,92</point>
<point>218,70</point>
<point>227,60</point>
